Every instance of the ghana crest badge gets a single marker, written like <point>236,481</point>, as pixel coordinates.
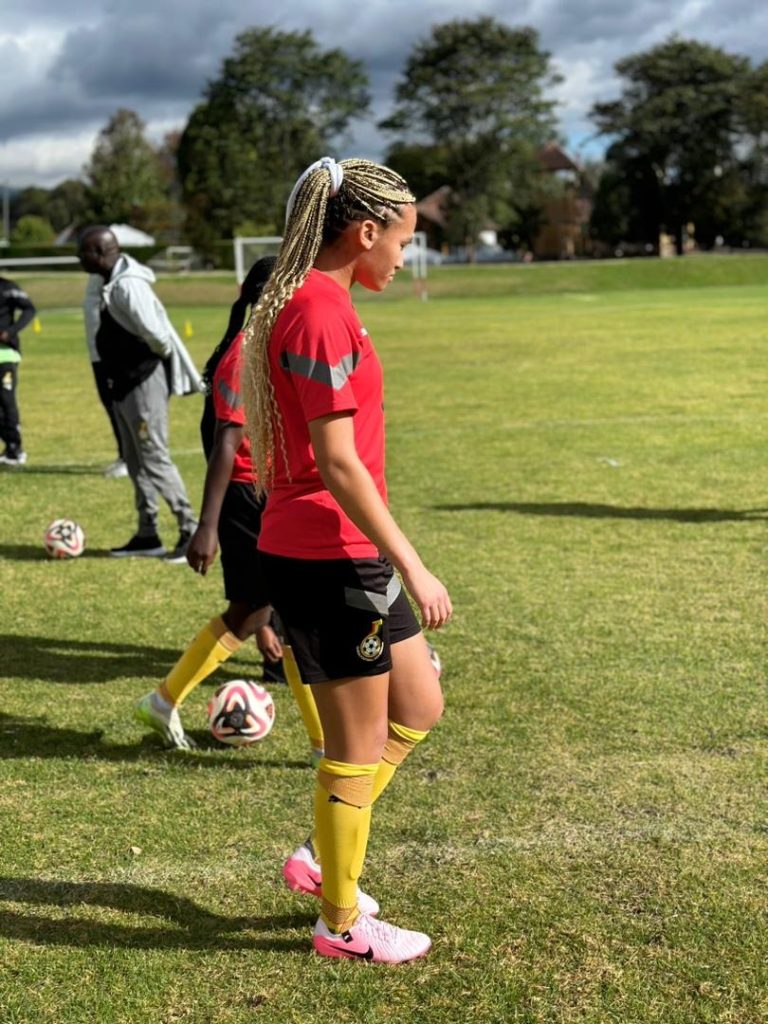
<point>371,646</point>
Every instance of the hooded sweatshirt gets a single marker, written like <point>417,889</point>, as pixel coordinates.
<point>131,304</point>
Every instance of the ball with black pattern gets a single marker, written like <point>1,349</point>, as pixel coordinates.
<point>64,538</point>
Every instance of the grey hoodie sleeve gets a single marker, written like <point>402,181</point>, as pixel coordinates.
<point>135,303</point>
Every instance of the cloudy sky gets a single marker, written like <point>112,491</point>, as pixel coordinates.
<point>66,67</point>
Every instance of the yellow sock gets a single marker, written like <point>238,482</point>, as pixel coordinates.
<point>400,742</point>
<point>342,824</point>
<point>212,645</point>
<point>304,698</point>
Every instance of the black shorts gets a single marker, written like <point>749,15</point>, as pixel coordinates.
<point>341,615</point>
<point>239,526</point>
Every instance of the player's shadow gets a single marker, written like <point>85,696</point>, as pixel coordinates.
<point>55,660</point>
<point>588,510</point>
<point>37,553</point>
<point>35,737</point>
<point>184,924</point>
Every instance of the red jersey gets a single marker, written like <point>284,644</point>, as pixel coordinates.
<point>228,406</point>
<point>321,362</point>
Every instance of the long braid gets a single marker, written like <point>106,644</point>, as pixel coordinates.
<point>368,190</point>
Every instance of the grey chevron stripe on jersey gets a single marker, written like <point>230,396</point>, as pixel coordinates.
<point>232,398</point>
<point>372,602</point>
<point>314,369</point>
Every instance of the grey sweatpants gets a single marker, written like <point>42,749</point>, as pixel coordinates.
<point>142,419</point>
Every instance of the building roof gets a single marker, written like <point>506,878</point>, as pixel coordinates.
<point>434,206</point>
<point>553,158</point>
<point>127,235</point>
<point>124,233</point>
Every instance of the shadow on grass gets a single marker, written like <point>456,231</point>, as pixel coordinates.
<point>190,926</point>
<point>36,553</point>
<point>22,737</point>
<point>586,510</point>
<point>66,469</point>
<point>54,660</point>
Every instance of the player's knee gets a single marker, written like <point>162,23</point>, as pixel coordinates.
<point>438,707</point>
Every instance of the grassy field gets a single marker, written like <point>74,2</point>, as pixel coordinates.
<point>579,452</point>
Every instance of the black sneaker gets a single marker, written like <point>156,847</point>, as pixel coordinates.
<point>140,547</point>
<point>179,554</point>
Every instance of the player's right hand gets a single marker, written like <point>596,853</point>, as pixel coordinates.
<point>202,549</point>
<point>431,596</point>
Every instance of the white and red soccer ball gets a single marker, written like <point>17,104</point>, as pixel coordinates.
<point>64,538</point>
<point>240,713</point>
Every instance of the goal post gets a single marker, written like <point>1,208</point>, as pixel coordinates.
<point>419,264</point>
<point>249,249</point>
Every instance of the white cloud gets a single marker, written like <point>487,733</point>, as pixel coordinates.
<point>45,159</point>
<point>63,72</point>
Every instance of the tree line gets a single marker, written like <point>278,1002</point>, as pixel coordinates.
<point>686,142</point>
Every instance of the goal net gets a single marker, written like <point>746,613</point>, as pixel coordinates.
<point>248,250</point>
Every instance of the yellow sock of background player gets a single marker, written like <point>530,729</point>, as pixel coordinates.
<point>159,709</point>
<point>212,646</point>
<point>342,822</point>
<point>306,703</point>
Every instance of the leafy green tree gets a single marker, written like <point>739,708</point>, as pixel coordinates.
<point>32,230</point>
<point>124,174</point>
<point>477,91</point>
<point>278,104</point>
<point>754,113</point>
<point>63,205</point>
<point>424,167</point>
<point>67,204</point>
<point>675,134</point>
<point>32,200</point>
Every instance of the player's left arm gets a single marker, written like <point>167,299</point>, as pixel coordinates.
<point>18,300</point>
<point>347,478</point>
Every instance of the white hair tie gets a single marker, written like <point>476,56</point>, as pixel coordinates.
<point>335,170</point>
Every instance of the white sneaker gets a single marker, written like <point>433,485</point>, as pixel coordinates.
<point>372,940</point>
<point>115,470</point>
<point>302,874</point>
<point>163,717</point>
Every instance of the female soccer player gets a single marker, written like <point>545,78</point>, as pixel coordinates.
<point>313,387</point>
<point>230,518</point>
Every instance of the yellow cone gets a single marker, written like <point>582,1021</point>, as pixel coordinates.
<point>188,332</point>
<point>36,325</point>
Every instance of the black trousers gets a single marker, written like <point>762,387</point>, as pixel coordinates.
<point>9,410</point>
<point>102,387</point>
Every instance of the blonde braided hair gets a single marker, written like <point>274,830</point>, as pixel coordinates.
<point>317,218</point>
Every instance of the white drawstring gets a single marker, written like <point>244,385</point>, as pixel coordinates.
<point>335,170</point>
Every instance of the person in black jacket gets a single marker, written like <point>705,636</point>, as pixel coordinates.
<point>13,300</point>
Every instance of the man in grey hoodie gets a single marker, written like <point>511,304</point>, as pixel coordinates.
<point>144,361</point>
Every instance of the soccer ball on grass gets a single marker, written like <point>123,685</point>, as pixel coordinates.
<point>240,713</point>
<point>64,538</point>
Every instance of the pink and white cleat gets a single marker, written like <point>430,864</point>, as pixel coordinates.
<point>302,873</point>
<point>372,940</point>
